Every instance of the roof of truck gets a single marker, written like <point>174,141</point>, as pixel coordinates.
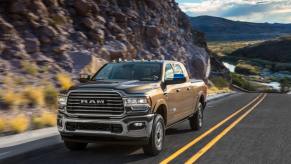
<point>152,61</point>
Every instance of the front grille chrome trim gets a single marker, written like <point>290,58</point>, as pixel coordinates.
<point>114,106</point>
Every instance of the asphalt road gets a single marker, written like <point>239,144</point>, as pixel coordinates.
<point>259,133</point>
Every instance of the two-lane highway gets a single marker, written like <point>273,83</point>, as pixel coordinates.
<point>242,128</point>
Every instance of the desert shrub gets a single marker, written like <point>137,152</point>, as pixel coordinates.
<point>44,120</point>
<point>281,67</point>
<point>11,98</point>
<point>285,84</point>
<point>212,90</point>
<point>2,125</point>
<point>242,82</point>
<point>215,90</point>
<point>34,95</point>
<point>50,96</point>
<point>19,124</point>
<point>219,82</point>
<point>247,69</point>
<point>29,67</point>
<point>8,81</point>
<point>64,80</point>
<point>19,80</point>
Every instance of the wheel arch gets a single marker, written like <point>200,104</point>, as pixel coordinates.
<point>161,108</point>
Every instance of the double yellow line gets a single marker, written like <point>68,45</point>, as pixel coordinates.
<point>202,151</point>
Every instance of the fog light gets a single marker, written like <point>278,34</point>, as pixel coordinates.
<point>136,126</point>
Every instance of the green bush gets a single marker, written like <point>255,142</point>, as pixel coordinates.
<point>247,69</point>
<point>242,82</point>
<point>219,82</point>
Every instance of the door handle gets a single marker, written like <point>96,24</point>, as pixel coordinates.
<point>188,88</point>
<point>178,90</point>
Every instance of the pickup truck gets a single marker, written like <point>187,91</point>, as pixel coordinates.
<point>130,102</point>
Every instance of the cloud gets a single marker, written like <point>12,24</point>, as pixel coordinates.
<point>244,10</point>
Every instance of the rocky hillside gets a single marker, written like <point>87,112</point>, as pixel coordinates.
<point>39,38</point>
<point>277,50</point>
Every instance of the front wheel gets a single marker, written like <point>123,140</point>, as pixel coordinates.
<point>156,141</point>
<point>196,121</point>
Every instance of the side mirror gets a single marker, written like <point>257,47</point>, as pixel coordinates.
<point>178,79</point>
<point>84,78</point>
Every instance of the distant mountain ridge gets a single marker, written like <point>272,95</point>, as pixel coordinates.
<point>276,50</point>
<point>221,29</point>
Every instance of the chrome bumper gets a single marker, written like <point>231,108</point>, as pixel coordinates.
<point>133,127</point>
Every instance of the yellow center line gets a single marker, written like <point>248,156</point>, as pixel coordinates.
<point>193,142</point>
<point>223,133</point>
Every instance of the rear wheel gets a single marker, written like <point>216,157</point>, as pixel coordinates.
<point>156,141</point>
<point>196,121</point>
<point>75,145</point>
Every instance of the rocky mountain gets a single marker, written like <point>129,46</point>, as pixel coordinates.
<point>39,38</point>
<point>220,29</point>
<point>276,50</point>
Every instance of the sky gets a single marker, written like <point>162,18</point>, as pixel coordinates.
<point>272,11</point>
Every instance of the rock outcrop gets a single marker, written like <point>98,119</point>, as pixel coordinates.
<point>55,34</point>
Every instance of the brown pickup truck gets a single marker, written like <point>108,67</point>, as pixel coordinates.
<point>131,102</point>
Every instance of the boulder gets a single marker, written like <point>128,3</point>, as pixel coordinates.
<point>39,7</point>
<point>5,27</point>
<point>101,19</point>
<point>152,31</point>
<point>18,7</point>
<point>114,28</point>
<point>86,7</point>
<point>31,45</point>
<point>116,49</point>
<point>89,23</point>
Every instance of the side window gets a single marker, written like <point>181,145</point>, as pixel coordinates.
<point>178,69</point>
<point>169,72</point>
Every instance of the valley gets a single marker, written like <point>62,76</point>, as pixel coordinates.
<point>253,67</point>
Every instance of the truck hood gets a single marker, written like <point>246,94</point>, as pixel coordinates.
<point>134,86</point>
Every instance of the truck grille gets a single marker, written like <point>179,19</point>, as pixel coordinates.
<point>95,103</point>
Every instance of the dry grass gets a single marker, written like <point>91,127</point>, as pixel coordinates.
<point>244,68</point>
<point>2,125</point>
<point>50,96</point>
<point>225,48</point>
<point>34,95</point>
<point>8,81</point>
<point>19,124</point>
<point>29,67</point>
<point>44,120</point>
<point>11,98</point>
<point>64,80</point>
<point>214,90</point>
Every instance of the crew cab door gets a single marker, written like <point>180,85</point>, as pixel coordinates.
<point>186,92</point>
<point>173,97</point>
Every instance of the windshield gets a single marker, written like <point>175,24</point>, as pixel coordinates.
<point>130,71</point>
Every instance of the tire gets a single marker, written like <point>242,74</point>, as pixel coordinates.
<point>196,121</point>
<point>156,141</point>
<point>75,146</point>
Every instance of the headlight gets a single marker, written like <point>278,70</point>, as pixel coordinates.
<point>136,101</point>
<point>62,100</point>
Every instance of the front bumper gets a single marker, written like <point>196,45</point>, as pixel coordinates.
<point>130,128</point>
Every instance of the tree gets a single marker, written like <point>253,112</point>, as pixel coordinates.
<point>285,85</point>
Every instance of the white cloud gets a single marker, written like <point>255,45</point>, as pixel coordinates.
<point>245,10</point>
